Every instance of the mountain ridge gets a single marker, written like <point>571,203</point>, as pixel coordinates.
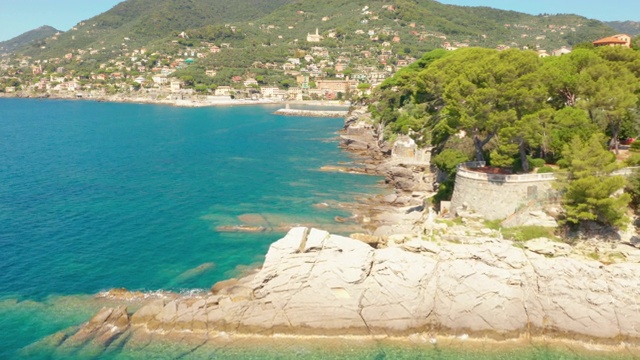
<point>627,27</point>
<point>26,38</point>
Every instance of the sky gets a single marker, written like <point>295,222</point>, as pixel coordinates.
<point>19,16</point>
<point>604,10</point>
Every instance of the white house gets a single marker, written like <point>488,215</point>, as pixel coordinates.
<point>175,86</point>
<point>159,79</point>
<point>250,82</point>
<point>223,91</point>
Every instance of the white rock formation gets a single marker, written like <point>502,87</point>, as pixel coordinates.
<point>313,282</point>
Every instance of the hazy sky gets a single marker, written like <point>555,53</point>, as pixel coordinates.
<point>605,10</point>
<point>19,16</point>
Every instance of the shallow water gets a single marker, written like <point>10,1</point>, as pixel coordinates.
<point>100,195</point>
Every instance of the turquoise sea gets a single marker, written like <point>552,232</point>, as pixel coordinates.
<point>96,196</point>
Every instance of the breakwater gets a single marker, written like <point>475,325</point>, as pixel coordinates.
<point>311,113</point>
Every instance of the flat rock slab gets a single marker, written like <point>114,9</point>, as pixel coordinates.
<point>313,282</point>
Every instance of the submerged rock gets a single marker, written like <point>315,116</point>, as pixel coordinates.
<point>95,336</point>
<point>241,228</point>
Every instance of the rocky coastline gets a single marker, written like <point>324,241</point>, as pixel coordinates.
<point>313,283</point>
<point>407,276</point>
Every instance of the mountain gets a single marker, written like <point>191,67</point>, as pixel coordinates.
<point>27,38</point>
<point>140,22</point>
<point>420,24</point>
<point>479,26</point>
<point>626,27</point>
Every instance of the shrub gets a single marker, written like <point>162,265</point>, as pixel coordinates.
<point>633,160</point>
<point>545,169</point>
<point>493,224</point>
<point>536,163</point>
<point>526,233</point>
<point>533,163</point>
<point>635,146</point>
<point>445,191</point>
<point>448,160</point>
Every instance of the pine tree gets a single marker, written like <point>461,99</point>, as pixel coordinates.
<point>590,193</point>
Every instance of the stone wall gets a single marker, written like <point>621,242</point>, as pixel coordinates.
<point>497,196</point>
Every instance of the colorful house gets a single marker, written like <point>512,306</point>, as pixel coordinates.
<point>615,40</point>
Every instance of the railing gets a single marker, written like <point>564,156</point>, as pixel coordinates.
<point>465,169</point>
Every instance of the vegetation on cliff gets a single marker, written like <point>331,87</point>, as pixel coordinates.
<point>512,107</point>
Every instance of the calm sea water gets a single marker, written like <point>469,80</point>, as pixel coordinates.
<point>99,195</point>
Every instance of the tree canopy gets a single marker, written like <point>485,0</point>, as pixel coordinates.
<point>508,107</point>
<point>513,104</point>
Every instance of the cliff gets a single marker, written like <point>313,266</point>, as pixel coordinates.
<point>316,283</point>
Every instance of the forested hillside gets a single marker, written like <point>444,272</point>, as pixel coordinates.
<point>626,27</point>
<point>30,37</point>
<point>420,25</point>
<point>142,22</point>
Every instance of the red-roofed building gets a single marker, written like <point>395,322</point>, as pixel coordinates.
<point>615,40</point>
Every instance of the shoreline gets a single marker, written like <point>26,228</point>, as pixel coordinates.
<point>285,346</point>
<point>373,165</point>
<point>227,317</point>
<point>191,102</point>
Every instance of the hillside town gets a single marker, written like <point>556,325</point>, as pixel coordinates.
<point>312,71</point>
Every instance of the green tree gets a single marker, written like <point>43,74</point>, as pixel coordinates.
<point>564,125</point>
<point>491,93</point>
<point>635,43</point>
<point>633,189</point>
<point>447,162</point>
<point>287,83</point>
<point>610,94</point>
<point>188,80</point>
<point>590,192</point>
